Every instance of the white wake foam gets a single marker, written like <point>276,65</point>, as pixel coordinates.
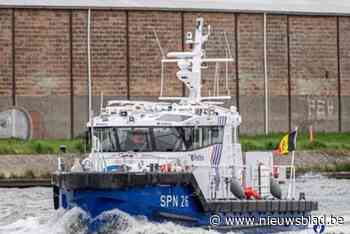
<point>75,221</point>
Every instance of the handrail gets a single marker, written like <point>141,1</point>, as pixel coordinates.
<point>223,173</point>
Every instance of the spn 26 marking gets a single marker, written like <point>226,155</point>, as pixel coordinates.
<point>174,201</point>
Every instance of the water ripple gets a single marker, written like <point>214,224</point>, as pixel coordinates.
<point>30,211</point>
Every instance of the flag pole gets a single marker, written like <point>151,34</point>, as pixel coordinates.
<point>295,143</point>
<point>293,176</point>
<point>289,195</point>
<point>291,187</point>
<point>291,179</point>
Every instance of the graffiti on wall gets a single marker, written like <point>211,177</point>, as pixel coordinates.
<point>321,108</point>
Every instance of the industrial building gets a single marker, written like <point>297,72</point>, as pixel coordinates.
<point>291,58</point>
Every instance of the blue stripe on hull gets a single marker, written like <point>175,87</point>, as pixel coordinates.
<point>157,203</point>
<point>147,201</point>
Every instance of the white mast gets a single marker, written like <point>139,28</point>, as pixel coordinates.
<point>199,41</point>
<point>190,64</point>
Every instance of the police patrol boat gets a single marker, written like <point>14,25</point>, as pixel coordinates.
<point>178,161</point>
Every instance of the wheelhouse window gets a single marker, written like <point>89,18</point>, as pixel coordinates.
<point>172,139</point>
<point>134,139</point>
<point>106,139</point>
<point>158,139</point>
<point>168,139</point>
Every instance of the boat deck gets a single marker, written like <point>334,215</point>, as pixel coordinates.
<point>100,181</point>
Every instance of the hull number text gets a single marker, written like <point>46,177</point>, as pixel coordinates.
<point>179,201</point>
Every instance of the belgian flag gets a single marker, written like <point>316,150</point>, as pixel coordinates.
<point>288,143</point>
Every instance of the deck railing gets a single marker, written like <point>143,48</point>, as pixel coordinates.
<point>217,183</point>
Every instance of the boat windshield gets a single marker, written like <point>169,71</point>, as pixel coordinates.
<point>159,139</point>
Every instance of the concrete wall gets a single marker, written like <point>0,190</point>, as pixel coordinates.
<point>308,57</point>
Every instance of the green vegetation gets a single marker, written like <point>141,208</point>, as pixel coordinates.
<point>322,141</point>
<point>15,146</point>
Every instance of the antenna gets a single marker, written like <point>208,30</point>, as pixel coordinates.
<point>228,45</point>
<point>191,64</point>
<point>228,56</point>
<point>101,101</point>
<point>158,43</point>
<point>226,75</point>
<point>216,79</point>
<point>162,65</point>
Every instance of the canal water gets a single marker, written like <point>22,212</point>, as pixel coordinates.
<point>30,211</point>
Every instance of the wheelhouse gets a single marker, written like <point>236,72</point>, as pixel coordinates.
<point>156,139</point>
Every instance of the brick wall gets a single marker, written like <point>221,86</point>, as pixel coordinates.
<point>251,72</point>
<point>108,40</point>
<point>42,53</point>
<point>145,56</point>
<point>79,51</point>
<point>313,49</point>
<point>5,54</point>
<point>250,53</point>
<point>277,55</point>
<point>79,71</point>
<point>344,47</point>
<point>277,60</point>
<point>216,47</point>
<point>42,69</point>
<point>43,60</point>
